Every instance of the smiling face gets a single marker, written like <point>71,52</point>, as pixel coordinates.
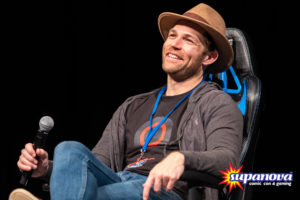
<point>185,53</point>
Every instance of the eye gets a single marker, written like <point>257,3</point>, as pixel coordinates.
<point>171,35</point>
<point>189,40</point>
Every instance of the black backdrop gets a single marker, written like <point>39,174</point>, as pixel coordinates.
<point>78,61</point>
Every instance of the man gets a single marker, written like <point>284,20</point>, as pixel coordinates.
<point>152,138</point>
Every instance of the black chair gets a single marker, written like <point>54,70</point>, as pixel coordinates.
<point>247,94</point>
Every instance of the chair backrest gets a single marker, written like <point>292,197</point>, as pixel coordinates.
<point>247,94</point>
<point>241,83</point>
<point>245,88</point>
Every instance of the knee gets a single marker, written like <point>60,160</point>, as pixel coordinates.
<point>69,147</point>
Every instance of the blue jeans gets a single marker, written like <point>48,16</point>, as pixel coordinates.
<point>78,174</point>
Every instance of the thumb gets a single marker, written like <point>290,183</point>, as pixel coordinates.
<point>42,153</point>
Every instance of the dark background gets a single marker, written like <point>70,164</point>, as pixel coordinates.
<point>78,61</point>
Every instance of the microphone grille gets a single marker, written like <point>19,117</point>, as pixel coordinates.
<point>46,124</point>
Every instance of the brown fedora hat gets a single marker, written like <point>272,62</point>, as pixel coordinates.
<point>212,22</point>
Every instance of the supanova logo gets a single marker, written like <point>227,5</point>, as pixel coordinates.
<point>234,177</point>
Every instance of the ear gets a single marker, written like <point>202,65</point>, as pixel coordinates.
<point>210,57</point>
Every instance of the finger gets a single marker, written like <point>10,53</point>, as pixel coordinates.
<point>27,162</point>
<point>147,187</point>
<point>170,184</point>
<point>42,153</point>
<point>165,182</point>
<point>29,148</point>
<point>157,184</point>
<point>25,155</point>
<point>25,165</point>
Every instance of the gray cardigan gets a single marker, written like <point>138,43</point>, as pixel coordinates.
<point>209,134</point>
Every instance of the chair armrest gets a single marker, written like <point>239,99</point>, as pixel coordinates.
<point>196,178</point>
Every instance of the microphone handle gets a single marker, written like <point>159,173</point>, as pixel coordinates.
<point>39,142</point>
<point>25,176</point>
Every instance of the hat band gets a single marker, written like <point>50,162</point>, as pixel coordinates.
<point>195,16</point>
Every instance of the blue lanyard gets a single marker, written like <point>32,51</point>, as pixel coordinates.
<point>152,132</point>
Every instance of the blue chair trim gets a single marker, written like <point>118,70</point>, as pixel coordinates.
<point>223,77</point>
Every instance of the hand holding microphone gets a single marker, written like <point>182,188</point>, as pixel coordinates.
<point>33,160</point>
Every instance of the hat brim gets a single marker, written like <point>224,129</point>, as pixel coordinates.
<point>167,20</point>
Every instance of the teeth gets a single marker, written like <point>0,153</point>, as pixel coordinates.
<point>172,56</point>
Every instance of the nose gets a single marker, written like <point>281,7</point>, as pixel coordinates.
<point>176,43</point>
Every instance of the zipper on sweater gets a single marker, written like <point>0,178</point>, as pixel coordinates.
<point>183,124</point>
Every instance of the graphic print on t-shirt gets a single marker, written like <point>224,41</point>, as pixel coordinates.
<point>139,163</point>
<point>161,137</point>
<point>138,126</point>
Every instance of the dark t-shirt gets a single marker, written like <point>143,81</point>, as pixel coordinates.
<point>137,128</point>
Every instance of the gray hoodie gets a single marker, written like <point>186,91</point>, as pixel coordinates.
<point>209,133</point>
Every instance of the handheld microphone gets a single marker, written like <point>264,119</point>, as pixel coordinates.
<point>45,125</point>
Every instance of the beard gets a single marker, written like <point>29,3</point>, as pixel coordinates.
<point>181,74</point>
<point>181,71</point>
